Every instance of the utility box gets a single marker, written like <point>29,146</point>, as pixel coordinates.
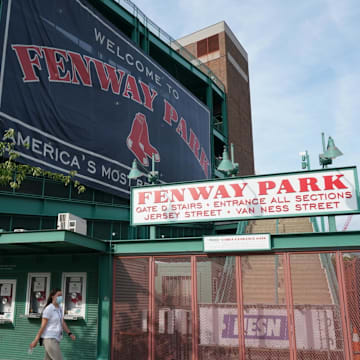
<point>38,291</point>
<point>74,293</point>
<point>7,300</point>
<point>67,221</point>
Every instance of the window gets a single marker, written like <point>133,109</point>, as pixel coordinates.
<point>208,45</point>
<point>213,43</point>
<point>202,48</point>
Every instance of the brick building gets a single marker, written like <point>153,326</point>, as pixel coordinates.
<point>218,48</point>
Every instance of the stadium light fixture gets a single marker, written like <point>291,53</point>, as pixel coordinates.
<point>153,176</point>
<point>134,172</point>
<point>330,153</point>
<point>227,166</point>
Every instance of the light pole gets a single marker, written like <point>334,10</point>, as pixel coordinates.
<point>228,167</point>
<point>326,159</point>
<point>329,153</point>
<point>305,164</point>
<point>153,177</point>
<point>305,160</point>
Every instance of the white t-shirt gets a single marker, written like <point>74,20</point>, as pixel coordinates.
<point>53,327</point>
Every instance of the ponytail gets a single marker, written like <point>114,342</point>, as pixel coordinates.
<point>50,298</point>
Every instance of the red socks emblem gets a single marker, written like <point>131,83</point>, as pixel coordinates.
<point>138,140</point>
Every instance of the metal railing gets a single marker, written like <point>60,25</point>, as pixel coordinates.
<point>167,39</point>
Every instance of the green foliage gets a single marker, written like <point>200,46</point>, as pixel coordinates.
<point>13,173</point>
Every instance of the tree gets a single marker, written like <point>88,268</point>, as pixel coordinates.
<point>12,173</point>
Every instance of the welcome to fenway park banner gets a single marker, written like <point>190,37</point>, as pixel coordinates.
<point>87,99</point>
<point>322,192</point>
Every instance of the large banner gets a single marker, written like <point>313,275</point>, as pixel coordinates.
<point>85,98</point>
<point>322,192</point>
<point>268,327</point>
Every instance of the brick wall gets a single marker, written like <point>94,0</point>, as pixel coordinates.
<point>239,109</point>
<point>238,98</point>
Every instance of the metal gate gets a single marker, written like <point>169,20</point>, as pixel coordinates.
<point>272,307</point>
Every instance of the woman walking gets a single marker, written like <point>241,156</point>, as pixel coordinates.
<point>52,326</point>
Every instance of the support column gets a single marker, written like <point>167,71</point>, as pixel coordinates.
<point>145,43</point>
<point>194,308</point>
<point>240,309</point>
<point>104,312</point>
<point>332,223</point>
<point>290,307</point>
<point>344,309</point>
<point>135,34</point>
<point>152,232</point>
<point>225,117</point>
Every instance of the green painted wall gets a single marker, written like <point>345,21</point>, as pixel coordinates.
<point>15,338</point>
<point>106,221</point>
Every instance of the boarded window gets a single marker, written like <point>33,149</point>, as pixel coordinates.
<point>208,45</point>
<point>202,47</point>
<point>213,43</point>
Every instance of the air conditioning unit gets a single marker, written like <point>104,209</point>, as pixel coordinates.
<point>67,221</point>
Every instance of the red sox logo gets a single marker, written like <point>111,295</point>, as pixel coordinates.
<point>138,140</point>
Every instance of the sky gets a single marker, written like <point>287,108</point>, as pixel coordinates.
<point>304,63</point>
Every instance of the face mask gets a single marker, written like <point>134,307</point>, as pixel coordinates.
<point>59,299</point>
